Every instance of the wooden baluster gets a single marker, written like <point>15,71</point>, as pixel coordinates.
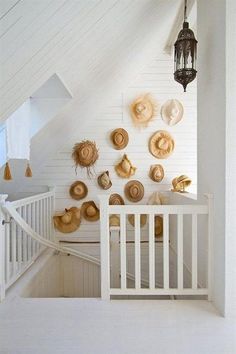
<point>29,243</point>
<point>151,252</point>
<point>166,250</point>
<point>137,252</point>
<point>194,251</point>
<point>13,247</point>
<point>24,236</point>
<point>19,244</point>
<point>180,251</point>
<point>33,227</point>
<point>8,245</point>
<point>123,250</point>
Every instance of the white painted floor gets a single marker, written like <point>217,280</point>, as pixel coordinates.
<point>91,326</point>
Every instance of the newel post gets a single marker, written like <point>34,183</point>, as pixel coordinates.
<point>104,247</point>
<point>210,201</point>
<point>3,198</point>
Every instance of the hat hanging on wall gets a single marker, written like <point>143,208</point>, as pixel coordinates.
<point>172,112</point>
<point>143,109</point>
<point>69,221</point>
<point>180,183</point>
<point>85,154</point>
<point>134,191</point>
<point>78,190</point>
<point>157,198</point>
<point>90,211</point>
<point>116,199</point>
<point>156,173</point>
<point>114,220</point>
<point>158,226</point>
<point>119,138</point>
<point>124,168</point>
<point>161,144</point>
<point>104,180</point>
<point>143,219</point>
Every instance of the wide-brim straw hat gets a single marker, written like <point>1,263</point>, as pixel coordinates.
<point>143,219</point>
<point>104,180</point>
<point>161,144</point>
<point>157,198</point>
<point>134,191</point>
<point>90,211</point>
<point>172,112</point>
<point>156,173</point>
<point>85,153</point>
<point>116,199</point>
<point>69,221</point>
<point>114,220</point>
<point>119,138</point>
<point>78,190</point>
<point>180,183</point>
<point>124,168</point>
<point>143,109</point>
<point>158,226</point>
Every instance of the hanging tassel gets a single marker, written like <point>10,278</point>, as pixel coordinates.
<point>28,171</point>
<point>7,172</point>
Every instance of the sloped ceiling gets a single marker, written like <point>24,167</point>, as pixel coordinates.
<point>96,46</point>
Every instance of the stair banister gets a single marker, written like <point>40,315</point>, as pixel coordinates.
<point>3,198</point>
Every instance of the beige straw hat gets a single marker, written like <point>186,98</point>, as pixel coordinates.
<point>124,168</point>
<point>119,138</point>
<point>161,144</point>
<point>143,219</point>
<point>156,173</point>
<point>157,198</point>
<point>158,226</point>
<point>78,190</point>
<point>90,211</point>
<point>69,221</point>
<point>180,183</point>
<point>104,180</point>
<point>85,154</point>
<point>172,112</point>
<point>116,199</point>
<point>114,220</point>
<point>134,191</point>
<point>143,110</point>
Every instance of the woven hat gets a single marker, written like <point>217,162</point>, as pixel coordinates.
<point>172,112</point>
<point>104,180</point>
<point>143,110</point>
<point>90,211</point>
<point>124,168</point>
<point>143,219</point>
<point>85,154</point>
<point>157,198</point>
<point>69,221</point>
<point>180,183</point>
<point>119,138</point>
<point>116,199</point>
<point>156,173</point>
<point>134,191</point>
<point>78,190</point>
<point>158,226</point>
<point>114,220</point>
<point>161,144</point>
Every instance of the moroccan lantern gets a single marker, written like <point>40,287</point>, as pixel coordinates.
<point>185,54</point>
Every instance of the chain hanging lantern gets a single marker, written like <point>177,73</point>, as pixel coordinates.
<point>185,54</point>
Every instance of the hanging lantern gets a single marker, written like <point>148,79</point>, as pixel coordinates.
<point>185,54</point>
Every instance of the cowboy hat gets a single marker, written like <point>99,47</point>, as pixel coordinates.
<point>172,112</point>
<point>114,220</point>
<point>157,198</point>
<point>104,180</point>
<point>143,110</point>
<point>85,154</point>
<point>180,183</point>
<point>119,138</point>
<point>161,144</point>
<point>116,199</point>
<point>124,168</point>
<point>69,221</point>
<point>143,219</point>
<point>158,226</point>
<point>90,211</point>
<point>134,191</point>
<point>156,173</point>
<point>78,190</point>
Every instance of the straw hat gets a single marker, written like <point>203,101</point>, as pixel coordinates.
<point>69,221</point>
<point>143,219</point>
<point>85,154</point>
<point>119,138</point>
<point>116,199</point>
<point>161,144</point>
<point>124,168</point>
<point>143,110</point>
<point>158,226</point>
<point>156,173</point>
<point>180,183</point>
<point>157,198</point>
<point>134,191</point>
<point>114,220</point>
<point>104,180</point>
<point>172,112</point>
<point>78,190</point>
<point>90,211</point>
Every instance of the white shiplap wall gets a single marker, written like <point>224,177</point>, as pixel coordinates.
<point>158,80</point>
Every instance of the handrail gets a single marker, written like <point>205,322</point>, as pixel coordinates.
<point>28,200</point>
<point>158,209</point>
<point>26,228</point>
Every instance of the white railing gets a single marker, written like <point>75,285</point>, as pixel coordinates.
<point>151,210</point>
